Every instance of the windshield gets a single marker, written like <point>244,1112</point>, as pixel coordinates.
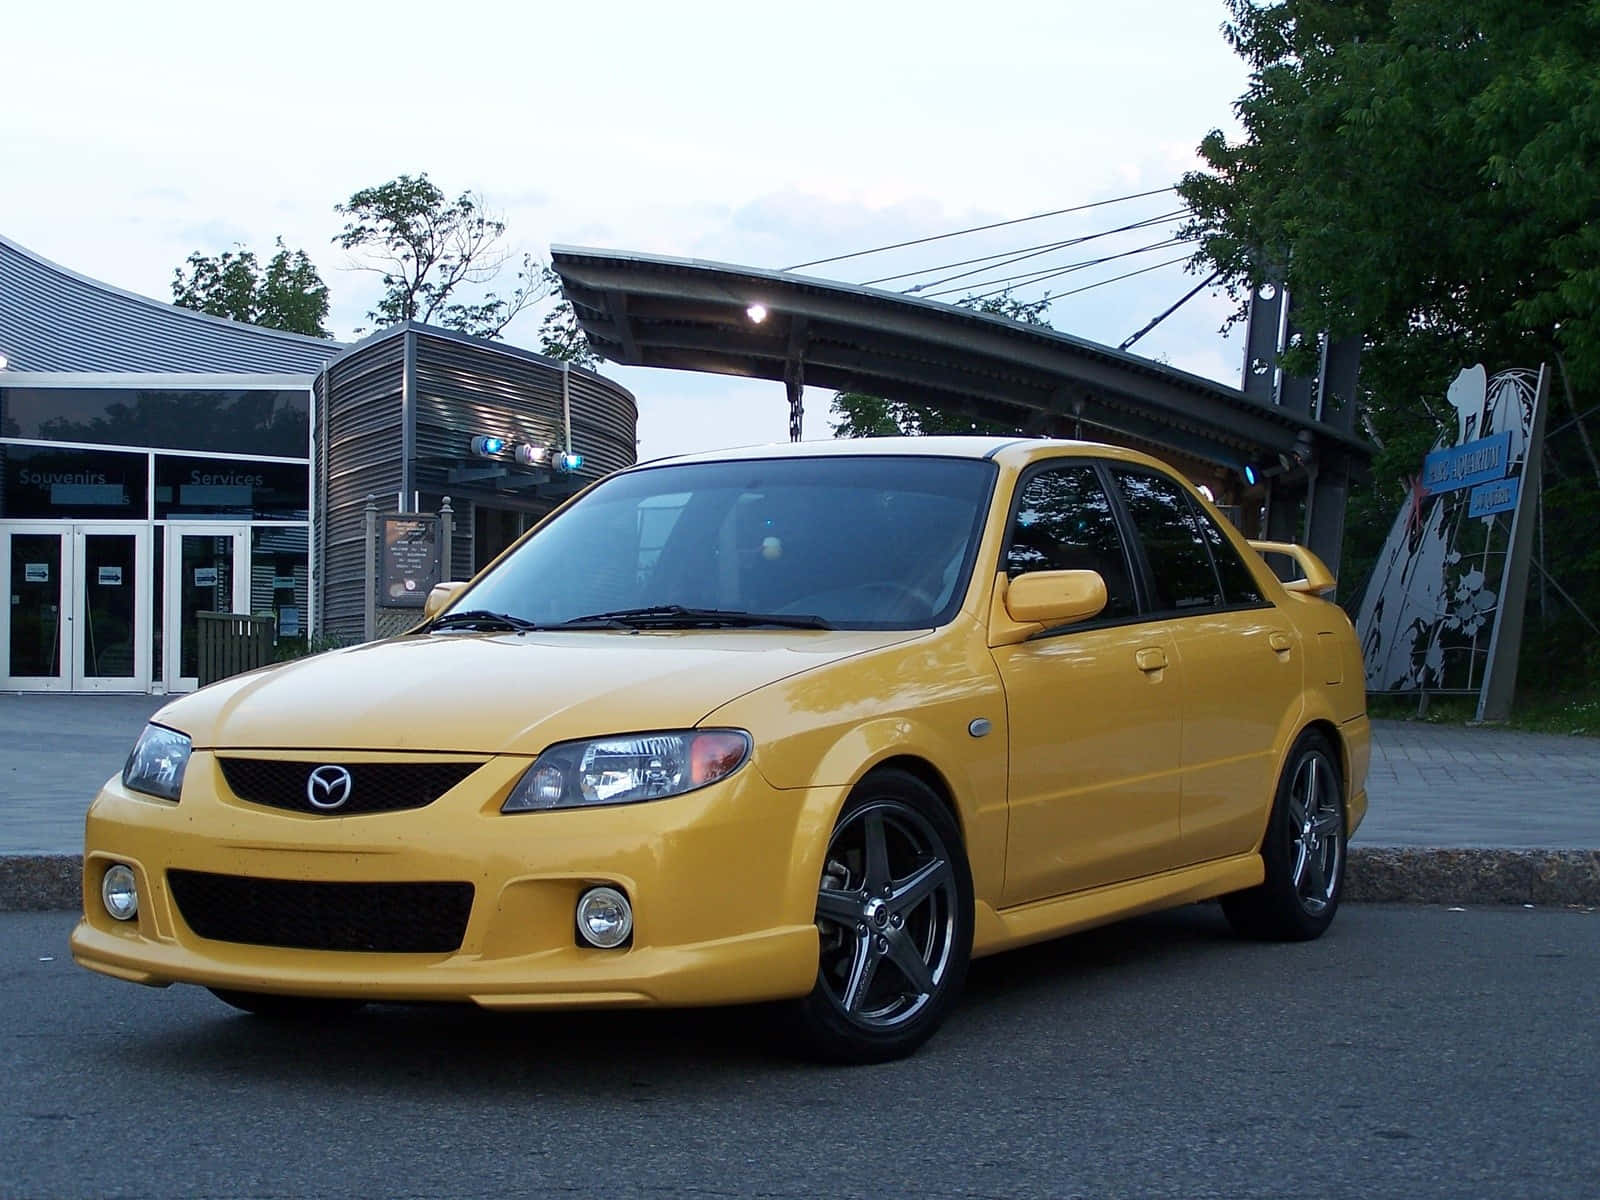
<point>857,542</point>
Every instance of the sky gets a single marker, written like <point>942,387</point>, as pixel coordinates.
<point>134,135</point>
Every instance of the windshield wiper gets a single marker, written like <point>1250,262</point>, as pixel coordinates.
<point>481,618</point>
<point>666,616</point>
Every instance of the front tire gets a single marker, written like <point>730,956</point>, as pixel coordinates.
<point>1304,851</point>
<point>894,915</point>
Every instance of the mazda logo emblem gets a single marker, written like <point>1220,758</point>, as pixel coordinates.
<point>328,787</point>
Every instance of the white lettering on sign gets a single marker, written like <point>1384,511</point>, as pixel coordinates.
<point>227,479</point>
<point>48,478</point>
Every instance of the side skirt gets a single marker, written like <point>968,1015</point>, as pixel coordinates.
<point>1007,928</point>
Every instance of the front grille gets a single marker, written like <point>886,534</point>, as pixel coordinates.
<point>395,918</point>
<point>374,786</point>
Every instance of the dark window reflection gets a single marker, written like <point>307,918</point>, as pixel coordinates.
<point>44,482</point>
<point>1064,523</point>
<point>239,420</point>
<point>221,487</point>
<point>1238,586</point>
<point>1172,542</point>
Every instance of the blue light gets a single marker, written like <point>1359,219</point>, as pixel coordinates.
<point>1250,475</point>
<point>487,446</point>
<point>568,462</point>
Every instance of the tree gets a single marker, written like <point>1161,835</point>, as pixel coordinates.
<point>860,414</point>
<point>1420,173</point>
<point>434,255</point>
<point>288,295</point>
<point>1423,173</point>
<point>560,335</point>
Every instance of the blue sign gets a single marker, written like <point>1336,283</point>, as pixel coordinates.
<point>1497,497</point>
<point>1468,465</point>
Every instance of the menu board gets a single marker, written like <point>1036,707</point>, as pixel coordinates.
<point>410,560</point>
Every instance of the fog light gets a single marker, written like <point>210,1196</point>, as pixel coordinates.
<point>120,893</point>
<point>605,919</point>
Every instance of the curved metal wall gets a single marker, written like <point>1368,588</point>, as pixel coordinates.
<point>367,419</point>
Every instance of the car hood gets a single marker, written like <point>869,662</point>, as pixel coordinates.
<point>502,693</point>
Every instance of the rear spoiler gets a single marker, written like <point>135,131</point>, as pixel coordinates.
<point>1315,577</point>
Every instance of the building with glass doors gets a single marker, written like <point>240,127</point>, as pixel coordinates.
<point>156,462</point>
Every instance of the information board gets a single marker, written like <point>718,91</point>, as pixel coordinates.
<point>410,559</point>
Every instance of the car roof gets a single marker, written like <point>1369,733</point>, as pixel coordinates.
<point>921,447</point>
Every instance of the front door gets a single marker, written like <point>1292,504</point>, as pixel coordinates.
<point>1094,708</point>
<point>79,611</point>
<point>208,570</point>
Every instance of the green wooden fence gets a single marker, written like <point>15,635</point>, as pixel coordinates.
<point>233,642</point>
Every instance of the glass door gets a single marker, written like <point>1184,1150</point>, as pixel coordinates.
<point>208,570</point>
<point>33,624</point>
<point>110,629</point>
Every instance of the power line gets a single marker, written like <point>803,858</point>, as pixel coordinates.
<point>1040,246</point>
<point>938,237</point>
<point>1115,278</point>
<point>1012,282</point>
<point>1036,252</point>
<point>1154,321</point>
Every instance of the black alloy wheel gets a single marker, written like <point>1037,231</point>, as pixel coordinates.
<point>1304,850</point>
<point>894,918</point>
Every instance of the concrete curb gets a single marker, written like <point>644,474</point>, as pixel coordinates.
<point>1548,878</point>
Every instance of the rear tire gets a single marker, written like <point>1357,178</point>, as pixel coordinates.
<point>1304,851</point>
<point>894,915</point>
<point>287,1008</point>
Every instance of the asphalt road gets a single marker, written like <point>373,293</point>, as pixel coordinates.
<point>1411,1052</point>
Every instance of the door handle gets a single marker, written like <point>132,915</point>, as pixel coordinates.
<point>1279,642</point>
<point>1151,658</point>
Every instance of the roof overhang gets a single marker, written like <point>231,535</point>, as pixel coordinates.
<point>656,311</point>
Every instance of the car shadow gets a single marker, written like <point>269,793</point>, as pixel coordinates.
<point>463,1051</point>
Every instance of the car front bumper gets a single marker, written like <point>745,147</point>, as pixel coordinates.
<point>722,882</point>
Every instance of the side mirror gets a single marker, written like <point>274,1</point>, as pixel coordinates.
<point>440,598</point>
<point>1043,600</point>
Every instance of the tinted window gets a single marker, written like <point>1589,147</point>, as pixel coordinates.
<point>214,487</point>
<point>1172,542</point>
<point>863,542</point>
<point>1238,586</point>
<point>1064,523</point>
<point>43,482</point>
<point>246,421</point>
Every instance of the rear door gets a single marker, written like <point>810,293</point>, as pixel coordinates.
<point>1093,708</point>
<point>1241,661</point>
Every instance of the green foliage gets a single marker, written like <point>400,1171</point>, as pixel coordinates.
<point>1423,173</point>
<point>560,335</point>
<point>287,295</point>
<point>435,254</point>
<point>858,414</point>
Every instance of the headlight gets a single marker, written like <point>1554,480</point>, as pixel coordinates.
<point>624,770</point>
<point>157,763</point>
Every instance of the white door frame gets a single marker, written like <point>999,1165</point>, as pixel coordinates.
<point>71,593</point>
<point>139,681</point>
<point>61,682</point>
<point>172,590</point>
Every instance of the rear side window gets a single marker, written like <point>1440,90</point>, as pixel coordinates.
<point>1184,578</point>
<point>1239,587</point>
<point>1064,523</point>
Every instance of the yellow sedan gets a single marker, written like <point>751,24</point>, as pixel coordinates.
<point>816,722</point>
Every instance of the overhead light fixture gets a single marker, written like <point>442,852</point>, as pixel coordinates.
<point>3,362</point>
<point>567,463</point>
<point>757,313</point>
<point>529,455</point>
<point>1205,490</point>
<point>487,446</point>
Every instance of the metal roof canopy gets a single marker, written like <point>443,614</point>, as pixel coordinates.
<point>656,311</point>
